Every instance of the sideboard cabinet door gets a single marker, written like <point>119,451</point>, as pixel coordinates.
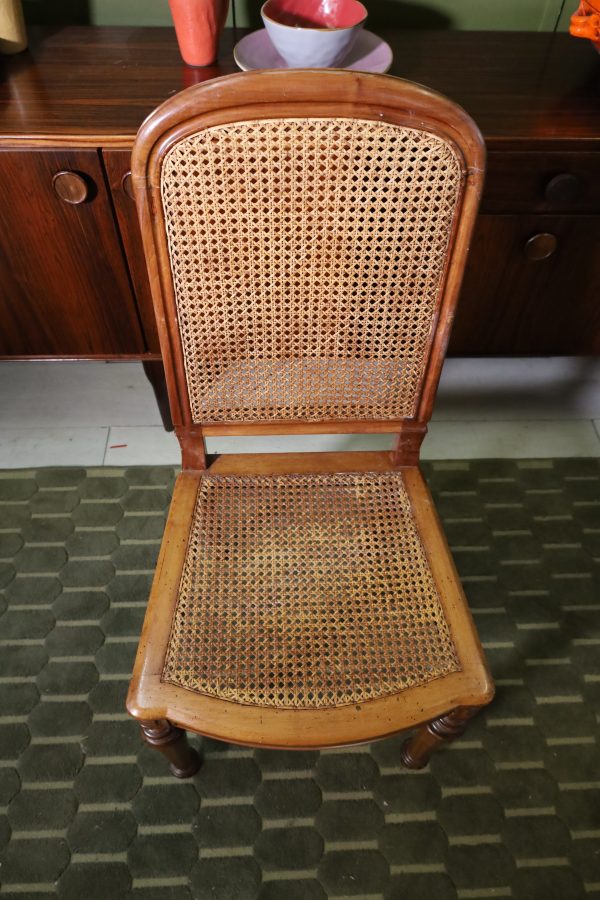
<point>64,287</point>
<point>532,287</point>
<point>118,170</point>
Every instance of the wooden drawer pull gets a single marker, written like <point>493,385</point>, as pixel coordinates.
<point>127,185</point>
<point>71,187</point>
<point>563,189</point>
<point>540,246</point>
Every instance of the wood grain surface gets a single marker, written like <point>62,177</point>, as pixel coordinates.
<point>64,287</point>
<point>88,84</point>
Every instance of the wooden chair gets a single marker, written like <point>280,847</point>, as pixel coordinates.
<point>306,234</point>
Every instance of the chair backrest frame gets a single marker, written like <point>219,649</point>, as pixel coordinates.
<point>282,94</point>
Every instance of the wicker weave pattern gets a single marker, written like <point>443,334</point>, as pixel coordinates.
<point>306,591</point>
<point>307,258</point>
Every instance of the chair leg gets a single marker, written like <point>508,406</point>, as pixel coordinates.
<point>173,744</point>
<point>417,750</point>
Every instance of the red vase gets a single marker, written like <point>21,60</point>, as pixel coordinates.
<point>198,24</point>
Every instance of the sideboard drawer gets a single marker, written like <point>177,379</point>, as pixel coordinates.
<point>541,182</point>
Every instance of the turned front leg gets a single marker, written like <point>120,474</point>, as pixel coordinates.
<point>173,744</point>
<point>417,750</point>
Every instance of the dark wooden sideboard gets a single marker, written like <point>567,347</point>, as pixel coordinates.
<point>72,274</point>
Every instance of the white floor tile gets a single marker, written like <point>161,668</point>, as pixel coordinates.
<point>519,389</point>
<point>144,446</point>
<point>506,440</point>
<point>485,407</point>
<point>141,446</point>
<point>300,443</point>
<point>76,393</point>
<point>22,448</point>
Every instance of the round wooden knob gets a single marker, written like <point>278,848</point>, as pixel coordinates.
<point>127,185</point>
<point>563,189</point>
<point>540,246</point>
<point>71,187</point>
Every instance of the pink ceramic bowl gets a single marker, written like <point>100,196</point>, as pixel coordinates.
<point>311,34</point>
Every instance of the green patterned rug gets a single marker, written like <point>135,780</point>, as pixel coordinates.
<point>88,813</point>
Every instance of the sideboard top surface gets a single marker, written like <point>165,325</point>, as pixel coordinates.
<point>95,85</point>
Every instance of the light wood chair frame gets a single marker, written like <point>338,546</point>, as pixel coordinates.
<point>441,707</point>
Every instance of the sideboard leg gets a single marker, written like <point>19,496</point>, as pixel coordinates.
<point>155,373</point>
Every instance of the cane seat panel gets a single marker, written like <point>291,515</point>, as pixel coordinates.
<point>306,591</point>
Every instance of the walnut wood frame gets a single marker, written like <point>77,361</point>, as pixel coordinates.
<point>290,93</point>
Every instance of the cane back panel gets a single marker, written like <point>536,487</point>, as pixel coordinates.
<point>306,591</point>
<point>307,257</point>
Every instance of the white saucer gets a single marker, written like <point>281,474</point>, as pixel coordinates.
<point>369,54</point>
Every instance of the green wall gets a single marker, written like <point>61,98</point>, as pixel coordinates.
<point>530,15</point>
<point>567,11</point>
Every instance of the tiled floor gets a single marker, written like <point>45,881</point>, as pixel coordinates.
<point>105,414</point>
